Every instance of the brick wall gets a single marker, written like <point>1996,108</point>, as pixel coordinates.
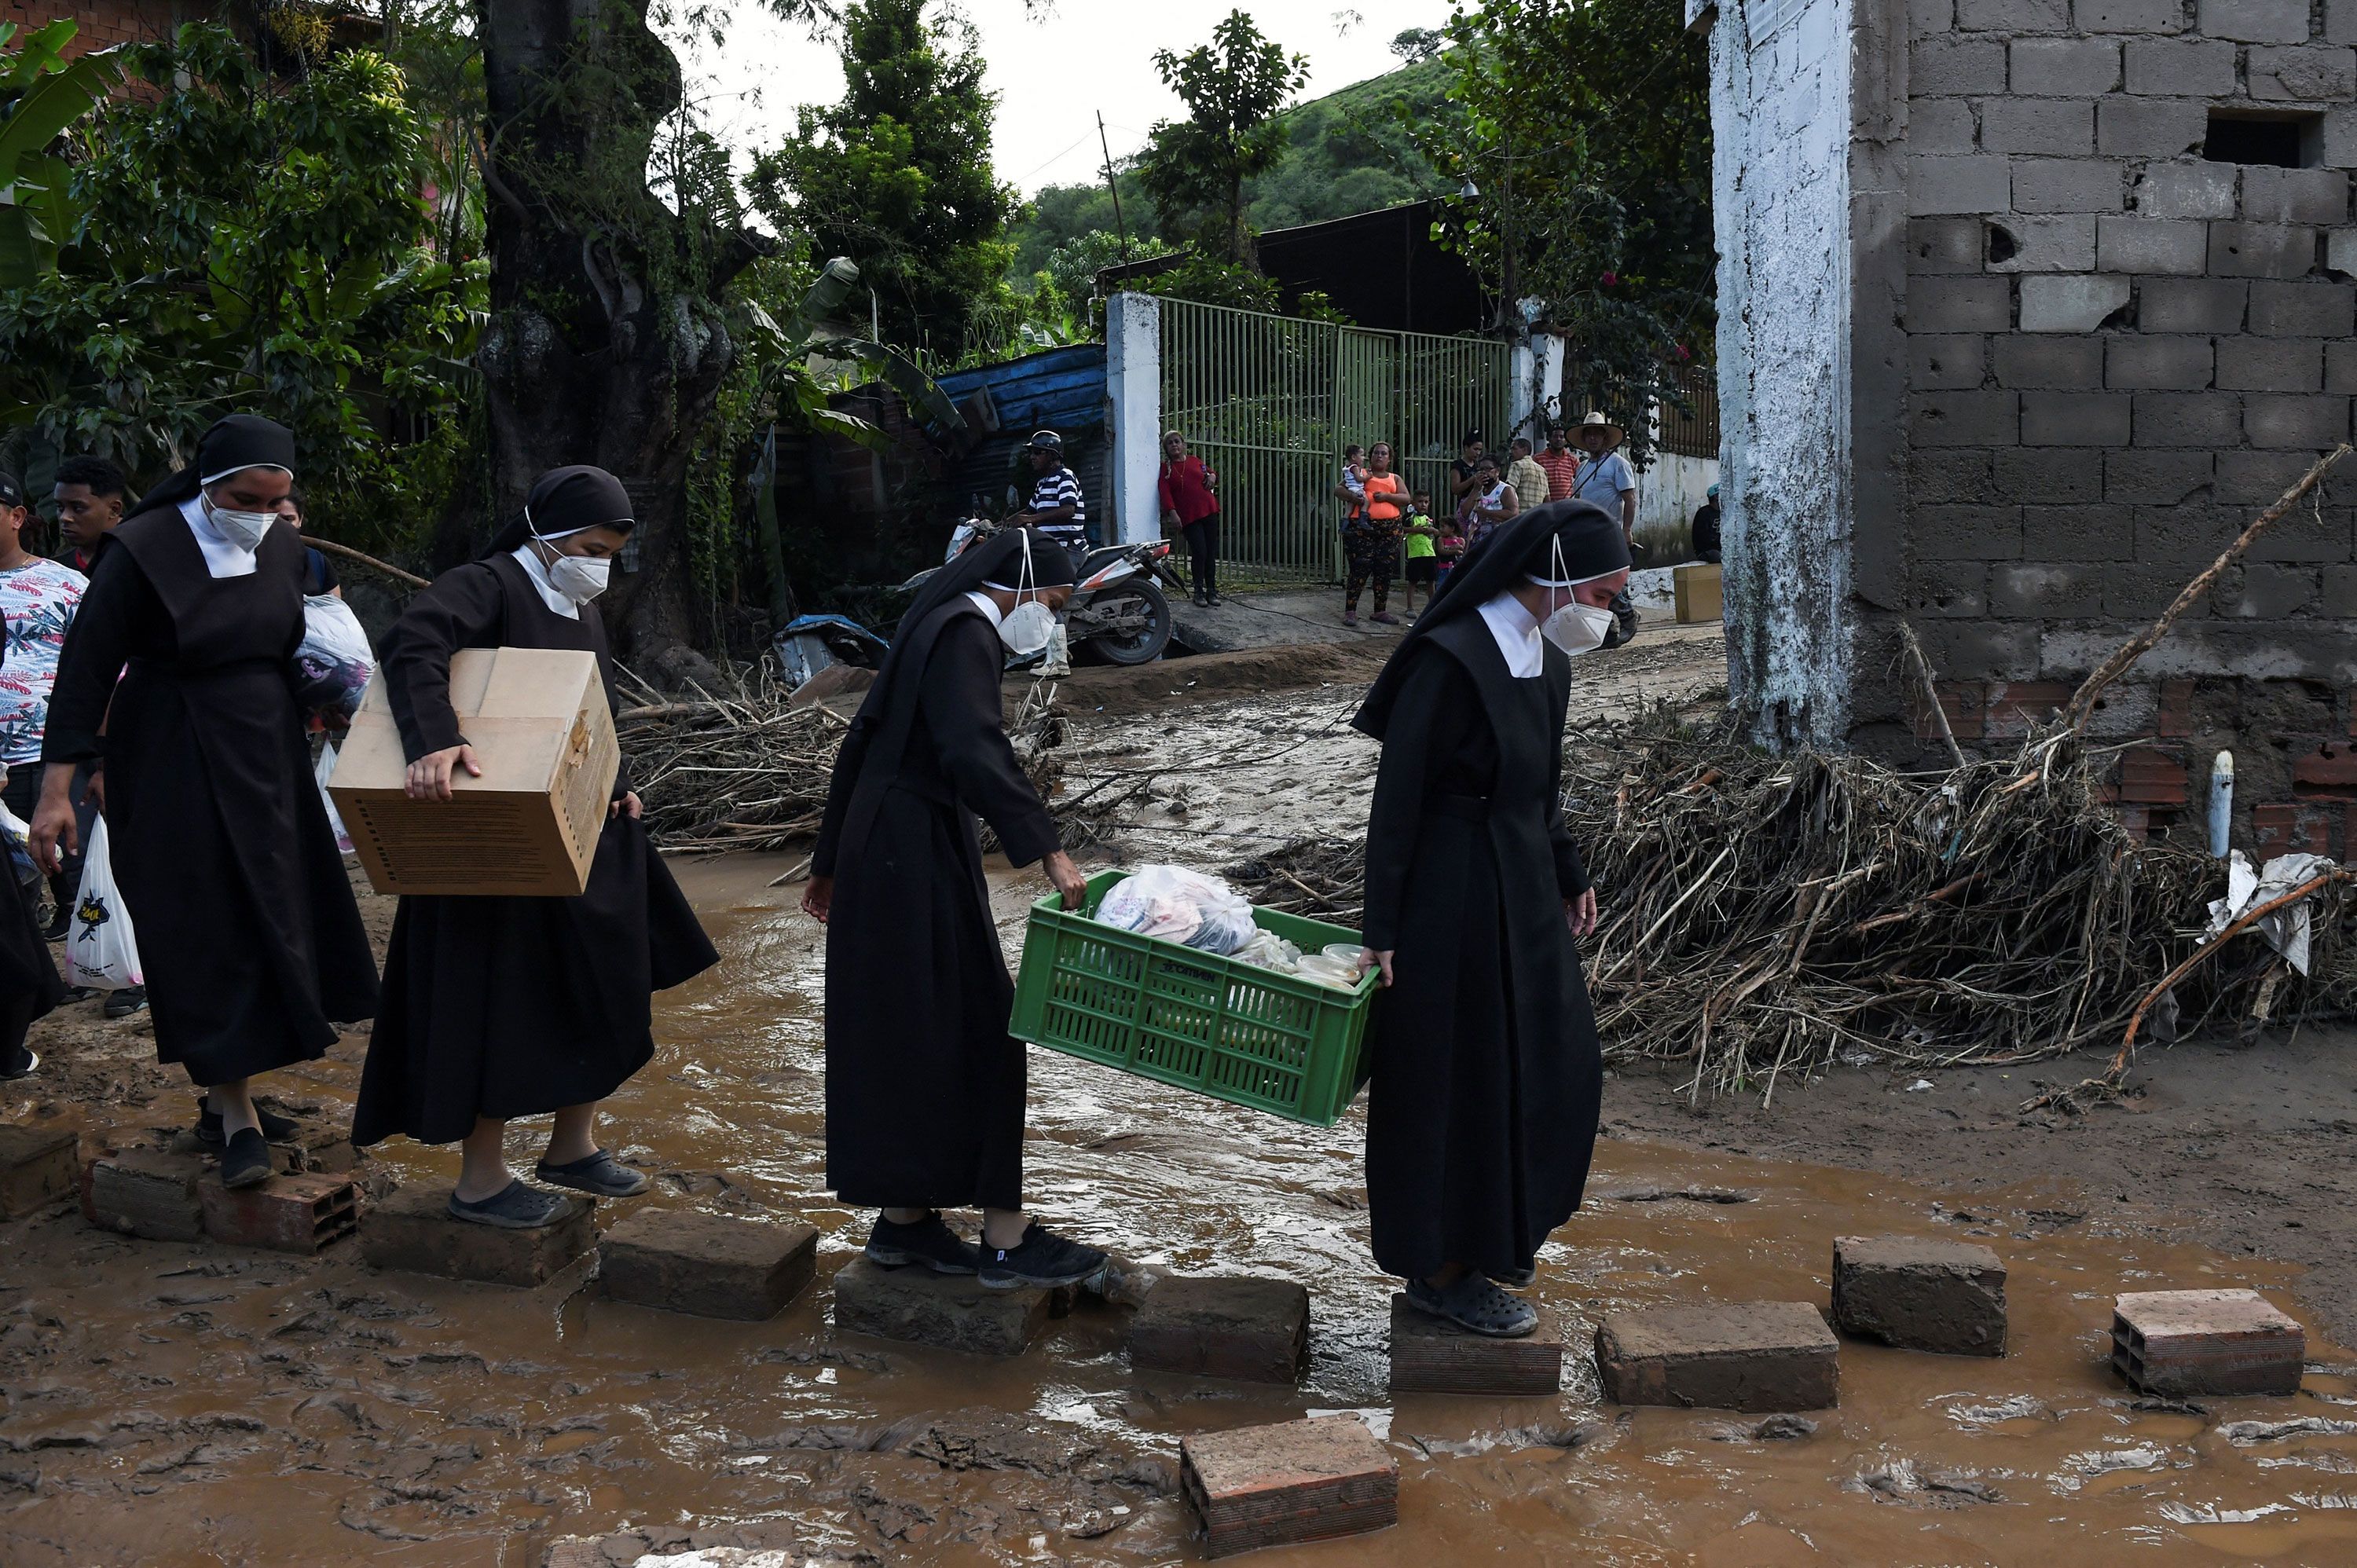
<point>109,22</point>
<point>2081,358</point>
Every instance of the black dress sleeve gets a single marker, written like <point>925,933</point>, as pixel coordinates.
<point>1570,873</point>
<point>464,608</point>
<point>960,705</point>
<point>1431,722</point>
<point>595,624</point>
<point>119,616</point>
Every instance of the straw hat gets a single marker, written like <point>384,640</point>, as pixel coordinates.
<point>1613,433</point>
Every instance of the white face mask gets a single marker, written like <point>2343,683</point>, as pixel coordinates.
<point>1025,629</point>
<point>577,578</point>
<point>243,528</point>
<point>1575,629</point>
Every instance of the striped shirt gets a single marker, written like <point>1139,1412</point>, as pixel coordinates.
<point>1055,490</point>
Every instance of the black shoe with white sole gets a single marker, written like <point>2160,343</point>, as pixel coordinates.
<point>1042,1259</point>
<point>515,1206</point>
<point>245,1159</point>
<point>126,1002</point>
<point>929,1241</point>
<point>275,1129</point>
<point>25,1068</point>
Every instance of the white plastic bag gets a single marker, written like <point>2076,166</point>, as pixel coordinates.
<point>101,953</point>
<point>334,661</point>
<point>322,771</point>
<point>1182,906</point>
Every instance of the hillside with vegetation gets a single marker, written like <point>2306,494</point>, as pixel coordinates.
<point>1347,151</point>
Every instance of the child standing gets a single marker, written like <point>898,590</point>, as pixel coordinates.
<point>1423,537</point>
<point>1446,548</point>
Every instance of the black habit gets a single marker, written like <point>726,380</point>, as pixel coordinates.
<point>503,1007</point>
<point>248,933</point>
<point>29,986</point>
<point>1486,1074</point>
<point>924,1086</point>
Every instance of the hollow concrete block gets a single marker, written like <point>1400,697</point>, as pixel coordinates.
<point>302,1212</point>
<point>713,1265</point>
<point>1746,1356</point>
<point>2181,1342</point>
<point>144,1193</point>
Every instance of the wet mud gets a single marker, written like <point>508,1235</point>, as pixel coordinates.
<point>167,1403</point>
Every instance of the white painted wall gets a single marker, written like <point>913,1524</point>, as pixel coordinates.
<point>1780,113</point>
<point>1133,388</point>
<point>1668,494</point>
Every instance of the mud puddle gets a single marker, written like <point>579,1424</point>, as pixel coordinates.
<point>185,1404</point>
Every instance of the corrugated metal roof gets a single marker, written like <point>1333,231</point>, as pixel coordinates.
<point>1062,390</point>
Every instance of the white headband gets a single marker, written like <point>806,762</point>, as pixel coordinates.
<point>241,467</point>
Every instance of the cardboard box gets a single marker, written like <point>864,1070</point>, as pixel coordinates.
<point>1697,586</point>
<point>538,721</point>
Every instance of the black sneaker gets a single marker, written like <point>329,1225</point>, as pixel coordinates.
<point>62,926</point>
<point>929,1241</point>
<point>26,1069</point>
<point>1041,1258</point>
<point>598,1172</point>
<point>275,1129</point>
<point>515,1206</point>
<point>127,1002</point>
<point>245,1159</point>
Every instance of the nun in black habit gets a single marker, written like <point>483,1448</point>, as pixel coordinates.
<point>501,1007</point>
<point>251,941</point>
<point>1486,1075</point>
<point>924,1086</point>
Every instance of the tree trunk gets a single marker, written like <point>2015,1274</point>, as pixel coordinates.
<point>607,342</point>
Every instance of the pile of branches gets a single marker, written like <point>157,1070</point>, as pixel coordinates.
<point>1765,913</point>
<point>749,770</point>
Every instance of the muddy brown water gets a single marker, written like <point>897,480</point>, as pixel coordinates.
<point>189,1404</point>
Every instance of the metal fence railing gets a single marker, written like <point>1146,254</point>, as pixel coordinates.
<point>1269,401</point>
<point>1691,431</point>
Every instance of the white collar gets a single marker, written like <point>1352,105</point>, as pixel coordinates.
<point>538,572</point>
<point>223,558</point>
<point>1517,631</point>
<point>988,607</point>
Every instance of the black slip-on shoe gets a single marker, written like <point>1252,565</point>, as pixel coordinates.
<point>31,1065</point>
<point>245,1159</point>
<point>1475,1304</point>
<point>126,1002</point>
<point>1514,1278</point>
<point>929,1241</point>
<point>1041,1258</point>
<point>515,1206</point>
<point>598,1172</point>
<point>57,931</point>
<point>275,1129</point>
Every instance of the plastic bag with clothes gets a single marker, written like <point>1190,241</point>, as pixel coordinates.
<point>334,663</point>
<point>1180,906</point>
<point>100,951</point>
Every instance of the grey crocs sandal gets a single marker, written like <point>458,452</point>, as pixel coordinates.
<point>598,1172</point>
<point>1474,1304</point>
<point>515,1206</point>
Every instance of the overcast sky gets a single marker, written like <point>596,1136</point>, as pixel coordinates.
<point>1053,76</point>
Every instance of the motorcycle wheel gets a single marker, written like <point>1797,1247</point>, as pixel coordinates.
<point>1145,645</point>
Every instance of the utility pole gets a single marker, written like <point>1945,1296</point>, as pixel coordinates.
<point>1120,228</point>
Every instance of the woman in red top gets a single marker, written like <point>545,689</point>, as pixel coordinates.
<point>1188,500</point>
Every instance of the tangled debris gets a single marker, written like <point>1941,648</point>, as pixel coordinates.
<point>750,770</point>
<point>1766,914</point>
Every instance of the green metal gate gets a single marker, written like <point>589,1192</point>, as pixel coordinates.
<point>1269,401</point>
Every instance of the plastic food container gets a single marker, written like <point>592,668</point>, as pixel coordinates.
<point>1282,1043</point>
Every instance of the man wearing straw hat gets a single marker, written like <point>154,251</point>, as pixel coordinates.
<point>1606,479</point>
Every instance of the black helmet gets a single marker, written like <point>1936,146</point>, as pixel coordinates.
<point>1048,441</point>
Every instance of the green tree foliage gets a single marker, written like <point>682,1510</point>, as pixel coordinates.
<point>242,241</point>
<point>1584,129</point>
<point>897,175</point>
<point>1195,168</point>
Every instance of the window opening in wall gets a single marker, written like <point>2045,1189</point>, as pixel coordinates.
<point>2284,141</point>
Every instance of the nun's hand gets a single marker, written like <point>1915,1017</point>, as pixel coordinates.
<point>429,777</point>
<point>1066,878</point>
<point>818,898</point>
<point>629,802</point>
<point>1383,962</point>
<point>1580,913</point>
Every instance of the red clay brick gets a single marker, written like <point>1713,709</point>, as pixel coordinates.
<point>2175,709</point>
<point>2137,820</point>
<point>2015,705</point>
<point>2180,1342</point>
<point>2329,769</point>
<point>306,1212</point>
<point>1296,1481</point>
<point>2279,827</point>
<point>1962,700</point>
<point>2152,776</point>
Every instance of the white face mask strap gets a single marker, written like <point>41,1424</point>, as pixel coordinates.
<point>1026,577</point>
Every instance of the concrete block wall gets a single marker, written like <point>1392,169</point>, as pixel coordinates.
<point>2109,355</point>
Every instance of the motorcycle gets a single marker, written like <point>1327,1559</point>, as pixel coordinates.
<point>1118,612</point>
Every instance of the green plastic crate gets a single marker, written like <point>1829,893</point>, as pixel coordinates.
<point>1162,1010</point>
